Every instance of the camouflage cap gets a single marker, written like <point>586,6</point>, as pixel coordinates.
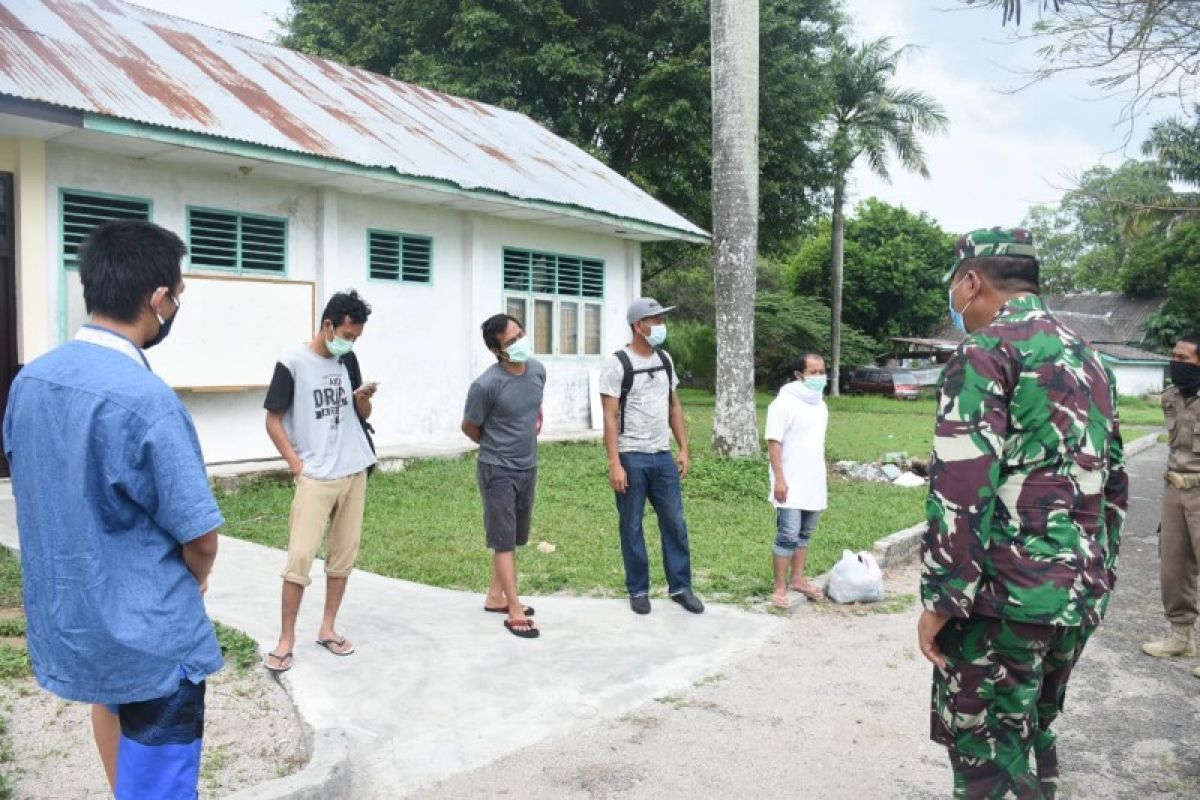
<point>991,242</point>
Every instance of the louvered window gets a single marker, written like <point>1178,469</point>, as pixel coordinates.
<point>237,242</point>
<point>546,273</point>
<point>399,257</point>
<point>551,280</point>
<point>81,212</point>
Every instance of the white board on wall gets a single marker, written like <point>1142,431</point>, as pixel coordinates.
<point>232,330</point>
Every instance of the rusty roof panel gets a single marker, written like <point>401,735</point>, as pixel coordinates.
<point>121,60</point>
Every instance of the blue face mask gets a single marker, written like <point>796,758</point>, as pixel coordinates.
<point>957,316</point>
<point>816,383</point>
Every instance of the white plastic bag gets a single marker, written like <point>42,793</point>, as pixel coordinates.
<point>857,578</point>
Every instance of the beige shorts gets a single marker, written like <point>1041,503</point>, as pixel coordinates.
<point>337,502</point>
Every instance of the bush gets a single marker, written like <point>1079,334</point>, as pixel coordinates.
<point>785,326</point>
<point>693,346</point>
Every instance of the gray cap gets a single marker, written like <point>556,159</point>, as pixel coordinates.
<point>645,307</point>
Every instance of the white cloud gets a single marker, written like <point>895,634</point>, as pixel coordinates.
<point>995,160</point>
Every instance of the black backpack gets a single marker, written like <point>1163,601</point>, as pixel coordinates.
<point>629,372</point>
<point>350,361</point>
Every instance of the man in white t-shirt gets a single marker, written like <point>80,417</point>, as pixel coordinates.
<point>317,407</point>
<point>641,411</point>
<point>796,423</point>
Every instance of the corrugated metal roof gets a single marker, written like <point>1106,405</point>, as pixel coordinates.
<point>120,60</point>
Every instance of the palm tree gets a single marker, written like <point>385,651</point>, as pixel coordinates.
<point>871,117</point>
<point>735,220</point>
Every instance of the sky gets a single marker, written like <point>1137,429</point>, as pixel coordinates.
<point>1003,152</point>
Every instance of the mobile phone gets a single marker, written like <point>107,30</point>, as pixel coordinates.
<point>369,386</point>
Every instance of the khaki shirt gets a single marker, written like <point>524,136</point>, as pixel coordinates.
<point>1183,430</point>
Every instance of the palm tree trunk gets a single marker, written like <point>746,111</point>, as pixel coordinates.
<point>839,234</point>
<point>735,220</point>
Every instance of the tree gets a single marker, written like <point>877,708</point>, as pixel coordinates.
<point>626,80</point>
<point>869,118</point>
<point>895,263</point>
<point>1098,219</point>
<point>1144,49</point>
<point>786,325</point>
<point>1169,261</point>
<point>1058,248</point>
<point>735,220</point>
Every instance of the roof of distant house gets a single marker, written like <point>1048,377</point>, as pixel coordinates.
<point>114,60</point>
<point>1105,316</point>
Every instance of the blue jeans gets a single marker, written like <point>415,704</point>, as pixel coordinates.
<point>653,476</point>
<point>793,530</point>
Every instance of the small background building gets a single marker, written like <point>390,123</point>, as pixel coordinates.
<point>291,177</point>
<point>1113,324</point>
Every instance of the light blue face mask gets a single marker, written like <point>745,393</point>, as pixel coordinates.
<point>957,316</point>
<point>519,351</point>
<point>658,335</point>
<point>339,346</point>
<point>816,383</point>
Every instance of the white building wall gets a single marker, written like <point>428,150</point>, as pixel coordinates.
<point>1135,380</point>
<point>422,342</point>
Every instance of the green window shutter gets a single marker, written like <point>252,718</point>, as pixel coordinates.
<point>544,272</point>
<point>81,212</point>
<point>226,240</point>
<point>383,252</point>
<point>213,239</point>
<point>517,264</point>
<point>264,244</point>
<point>417,259</point>
<point>570,273</point>
<point>593,278</point>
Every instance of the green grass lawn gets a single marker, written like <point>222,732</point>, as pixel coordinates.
<point>425,524</point>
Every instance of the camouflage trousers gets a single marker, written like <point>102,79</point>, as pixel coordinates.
<point>993,706</point>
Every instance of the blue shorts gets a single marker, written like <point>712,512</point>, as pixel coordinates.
<point>794,528</point>
<point>159,755</point>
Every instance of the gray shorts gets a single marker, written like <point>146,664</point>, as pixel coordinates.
<point>507,505</point>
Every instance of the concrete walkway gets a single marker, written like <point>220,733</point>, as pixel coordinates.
<point>437,686</point>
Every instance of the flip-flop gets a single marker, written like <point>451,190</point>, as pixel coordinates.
<point>813,594</point>
<point>328,645</point>
<point>784,603</point>
<point>504,610</point>
<point>525,628</point>
<point>280,658</point>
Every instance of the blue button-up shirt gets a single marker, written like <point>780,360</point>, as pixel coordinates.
<point>109,484</point>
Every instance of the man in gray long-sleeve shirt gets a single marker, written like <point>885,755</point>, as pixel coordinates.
<point>503,414</point>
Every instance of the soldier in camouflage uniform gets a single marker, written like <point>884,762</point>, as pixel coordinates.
<point>1179,537</point>
<point>1027,496</point>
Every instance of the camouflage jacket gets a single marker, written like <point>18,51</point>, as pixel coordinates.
<point>1027,484</point>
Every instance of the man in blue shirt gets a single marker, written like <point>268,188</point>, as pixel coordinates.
<point>118,525</point>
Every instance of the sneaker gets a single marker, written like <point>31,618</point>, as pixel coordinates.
<point>689,601</point>
<point>640,604</point>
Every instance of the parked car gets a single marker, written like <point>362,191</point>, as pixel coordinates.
<point>888,382</point>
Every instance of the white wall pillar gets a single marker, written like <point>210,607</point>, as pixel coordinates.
<point>37,272</point>
<point>328,243</point>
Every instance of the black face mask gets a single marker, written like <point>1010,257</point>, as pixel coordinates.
<point>1186,376</point>
<point>164,328</point>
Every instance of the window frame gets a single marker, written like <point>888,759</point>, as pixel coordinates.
<point>399,279</point>
<point>529,298</point>
<point>239,269</point>
<point>63,191</point>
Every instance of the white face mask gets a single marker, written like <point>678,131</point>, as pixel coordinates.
<point>657,335</point>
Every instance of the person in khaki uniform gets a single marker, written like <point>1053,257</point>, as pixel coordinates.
<point>1179,540</point>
